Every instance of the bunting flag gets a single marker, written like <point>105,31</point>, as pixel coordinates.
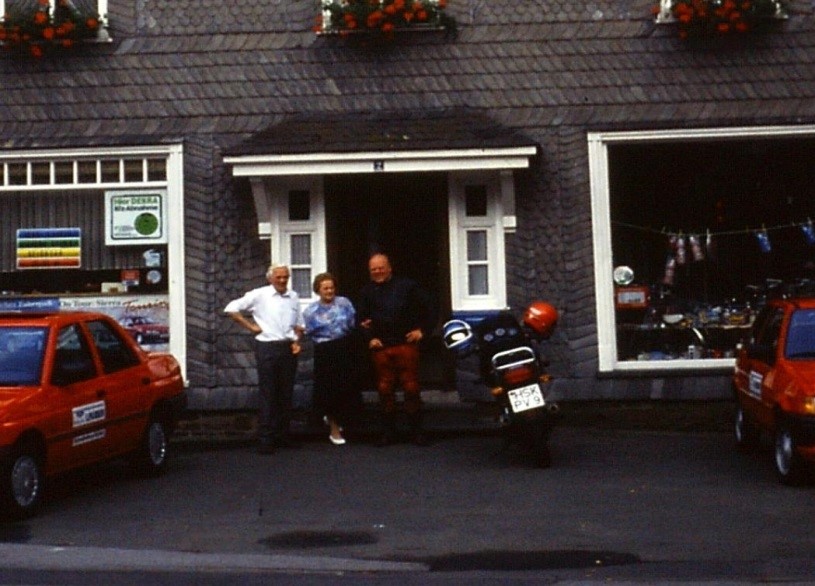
<point>809,232</point>
<point>764,241</point>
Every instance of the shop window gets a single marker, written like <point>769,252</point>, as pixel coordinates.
<point>134,170</point>
<point>87,171</point>
<point>110,171</point>
<point>17,174</point>
<point>64,172</point>
<point>156,169</point>
<point>40,173</point>
<point>692,232</point>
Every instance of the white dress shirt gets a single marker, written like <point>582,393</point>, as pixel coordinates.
<point>277,314</point>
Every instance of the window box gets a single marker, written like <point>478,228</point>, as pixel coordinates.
<point>50,25</point>
<point>707,18</point>
<point>382,18</point>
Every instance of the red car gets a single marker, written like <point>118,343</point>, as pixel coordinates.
<point>75,389</point>
<point>774,383</point>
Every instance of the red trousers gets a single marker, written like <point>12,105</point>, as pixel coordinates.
<point>398,363</point>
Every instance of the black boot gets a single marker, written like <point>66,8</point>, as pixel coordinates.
<point>417,434</point>
<point>388,431</point>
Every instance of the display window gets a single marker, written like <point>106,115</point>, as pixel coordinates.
<point>94,231</point>
<point>700,230</point>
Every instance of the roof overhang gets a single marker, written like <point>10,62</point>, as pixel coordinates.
<point>320,143</point>
<point>382,162</point>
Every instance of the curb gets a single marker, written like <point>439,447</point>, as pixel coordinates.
<point>99,559</point>
<point>445,414</point>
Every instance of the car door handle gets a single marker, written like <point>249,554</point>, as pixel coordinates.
<point>145,381</point>
<point>101,394</point>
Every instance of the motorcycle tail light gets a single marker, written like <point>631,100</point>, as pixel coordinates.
<point>515,376</point>
<point>497,391</point>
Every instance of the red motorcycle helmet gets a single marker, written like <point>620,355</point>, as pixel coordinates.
<point>541,318</point>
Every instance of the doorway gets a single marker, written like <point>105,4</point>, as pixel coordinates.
<point>404,215</point>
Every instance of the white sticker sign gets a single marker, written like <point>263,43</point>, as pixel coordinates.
<point>88,414</point>
<point>756,378</point>
<point>135,217</point>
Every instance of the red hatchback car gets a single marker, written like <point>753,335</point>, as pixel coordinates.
<point>774,383</point>
<point>76,389</point>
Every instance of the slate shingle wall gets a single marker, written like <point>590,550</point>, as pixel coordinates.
<point>212,73</point>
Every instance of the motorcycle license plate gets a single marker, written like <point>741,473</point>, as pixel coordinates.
<point>525,398</point>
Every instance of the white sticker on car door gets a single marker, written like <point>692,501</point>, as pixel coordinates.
<point>756,379</point>
<point>88,414</point>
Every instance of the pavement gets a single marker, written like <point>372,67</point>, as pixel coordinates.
<point>446,414</point>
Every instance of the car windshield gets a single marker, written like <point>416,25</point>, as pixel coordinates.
<point>801,335</point>
<point>21,355</point>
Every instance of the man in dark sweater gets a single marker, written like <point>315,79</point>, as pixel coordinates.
<point>395,314</point>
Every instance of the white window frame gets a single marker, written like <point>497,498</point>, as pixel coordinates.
<point>174,184</point>
<point>281,229</point>
<point>101,9</point>
<point>598,147</point>
<point>494,224</point>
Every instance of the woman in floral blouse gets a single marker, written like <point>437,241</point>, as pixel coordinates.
<point>329,323</point>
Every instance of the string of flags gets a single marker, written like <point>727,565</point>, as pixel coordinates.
<point>704,244</point>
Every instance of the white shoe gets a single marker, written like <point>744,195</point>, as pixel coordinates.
<point>336,441</point>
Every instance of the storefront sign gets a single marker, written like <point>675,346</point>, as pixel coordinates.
<point>145,317</point>
<point>135,217</point>
<point>34,304</point>
<point>49,248</point>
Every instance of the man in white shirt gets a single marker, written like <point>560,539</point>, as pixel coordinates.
<point>277,323</point>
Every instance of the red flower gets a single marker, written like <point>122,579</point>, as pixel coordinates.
<point>383,16</point>
<point>720,17</point>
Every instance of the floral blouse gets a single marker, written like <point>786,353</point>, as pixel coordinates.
<point>329,322</point>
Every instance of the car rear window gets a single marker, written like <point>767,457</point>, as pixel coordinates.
<point>21,355</point>
<point>801,335</point>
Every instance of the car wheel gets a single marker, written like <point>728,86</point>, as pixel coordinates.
<point>747,434</point>
<point>789,466</point>
<point>23,484</point>
<point>151,457</point>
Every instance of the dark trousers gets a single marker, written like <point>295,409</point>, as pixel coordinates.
<point>277,368</point>
<point>400,364</point>
<point>334,378</point>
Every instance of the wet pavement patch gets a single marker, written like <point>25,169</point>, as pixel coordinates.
<point>306,539</point>
<point>14,533</point>
<point>528,560</point>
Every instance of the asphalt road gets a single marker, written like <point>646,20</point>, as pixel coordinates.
<point>619,505</point>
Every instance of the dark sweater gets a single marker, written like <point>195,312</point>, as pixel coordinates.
<point>394,307</point>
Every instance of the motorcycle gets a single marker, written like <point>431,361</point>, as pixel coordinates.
<point>511,367</point>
